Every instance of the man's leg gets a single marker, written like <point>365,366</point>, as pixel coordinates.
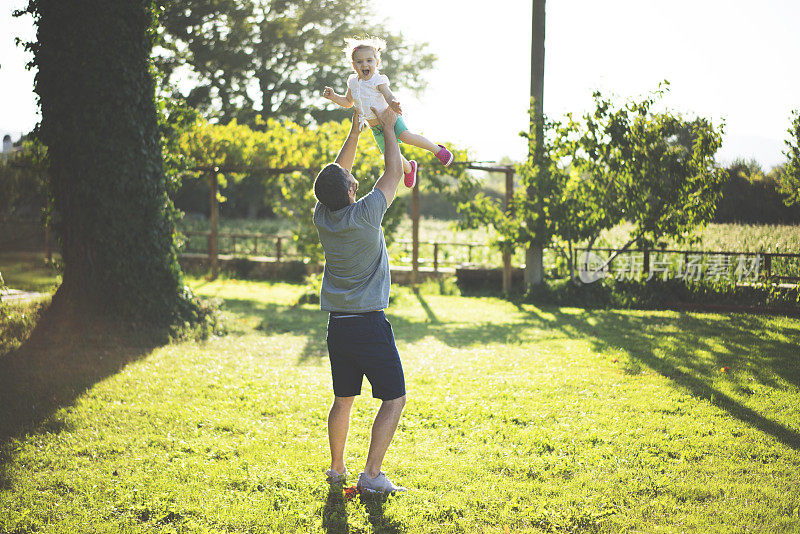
<point>383,429</point>
<point>338,425</point>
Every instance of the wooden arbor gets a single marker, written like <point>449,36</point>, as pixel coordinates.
<point>508,171</point>
<point>212,173</point>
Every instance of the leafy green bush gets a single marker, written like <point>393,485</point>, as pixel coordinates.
<point>246,155</point>
<point>203,322</point>
<point>482,281</point>
<point>443,286</point>
<point>312,290</point>
<point>655,294</point>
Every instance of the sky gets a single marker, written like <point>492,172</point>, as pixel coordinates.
<point>727,60</point>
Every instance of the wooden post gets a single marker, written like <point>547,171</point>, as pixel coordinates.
<point>534,256</point>
<point>214,220</point>
<point>685,262</point>
<point>415,235</point>
<point>436,257</point>
<point>507,254</point>
<point>48,244</point>
<point>48,237</point>
<point>278,249</point>
<point>572,254</point>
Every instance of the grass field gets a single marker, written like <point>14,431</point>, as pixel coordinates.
<point>736,237</point>
<point>28,271</point>
<point>519,419</point>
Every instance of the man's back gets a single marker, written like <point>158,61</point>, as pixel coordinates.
<point>356,277</point>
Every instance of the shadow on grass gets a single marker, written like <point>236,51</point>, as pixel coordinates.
<point>691,350</point>
<point>59,362</point>
<point>334,514</point>
<point>376,515</point>
<point>426,308</point>
<point>297,320</point>
<point>311,322</point>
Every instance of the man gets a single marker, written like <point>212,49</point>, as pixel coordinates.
<point>355,290</point>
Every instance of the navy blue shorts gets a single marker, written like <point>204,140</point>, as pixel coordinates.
<point>363,344</point>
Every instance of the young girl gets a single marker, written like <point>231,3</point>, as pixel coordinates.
<point>369,88</point>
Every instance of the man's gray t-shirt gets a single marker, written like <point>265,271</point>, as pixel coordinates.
<point>356,276</point>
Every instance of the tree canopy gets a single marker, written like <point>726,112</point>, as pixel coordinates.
<point>619,162</point>
<point>790,178</point>
<point>244,58</point>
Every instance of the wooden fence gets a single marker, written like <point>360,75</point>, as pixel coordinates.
<point>273,246</point>
<point>767,266</point>
<point>438,258</point>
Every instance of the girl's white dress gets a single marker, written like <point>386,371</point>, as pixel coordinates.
<point>365,95</point>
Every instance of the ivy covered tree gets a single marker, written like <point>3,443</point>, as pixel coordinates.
<point>114,219</point>
<point>242,58</point>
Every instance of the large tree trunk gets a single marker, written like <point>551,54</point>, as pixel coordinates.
<point>113,216</point>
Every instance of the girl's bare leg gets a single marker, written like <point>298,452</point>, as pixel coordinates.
<point>406,164</point>
<point>420,141</point>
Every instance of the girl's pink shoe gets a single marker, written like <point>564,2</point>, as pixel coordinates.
<point>410,178</point>
<point>445,156</point>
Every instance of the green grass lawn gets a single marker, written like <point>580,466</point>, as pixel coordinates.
<point>27,271</point>
<point>519,419</point>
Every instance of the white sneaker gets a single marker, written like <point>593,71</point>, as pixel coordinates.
<point>379,484</point>
<point>335,478</point>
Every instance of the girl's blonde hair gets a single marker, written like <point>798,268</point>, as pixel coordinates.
<point>356,43</point>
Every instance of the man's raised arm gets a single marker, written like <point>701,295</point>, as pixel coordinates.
<point>393,171</point>
<point>347,154</point>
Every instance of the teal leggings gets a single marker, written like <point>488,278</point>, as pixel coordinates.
<point>377,133</point>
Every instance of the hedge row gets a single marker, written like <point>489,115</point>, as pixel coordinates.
<point>670,294</point>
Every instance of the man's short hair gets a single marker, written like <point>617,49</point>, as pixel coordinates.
<point>331,187</point>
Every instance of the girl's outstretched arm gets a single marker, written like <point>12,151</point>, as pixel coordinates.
<point>346,100</point>
<point>390,99</point>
